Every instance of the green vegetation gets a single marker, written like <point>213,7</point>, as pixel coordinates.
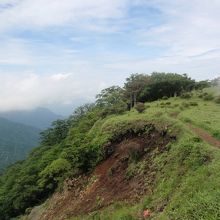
<point>187,178</point>
<point>16,141</point>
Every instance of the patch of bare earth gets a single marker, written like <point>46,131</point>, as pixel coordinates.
<point>108,183</point>
<point>204,135</point>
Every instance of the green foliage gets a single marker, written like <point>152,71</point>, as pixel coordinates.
<point>187,178</point>
<point>217,100</point>
<point>134,86</point>
<point>193,103</point>
<point>126,217</point>
<point>53,174</point>
<point>186,95</point>
<point>185,104</point>
<point>169,85</point>
<point>16,141</point>
<point>208,97</point>
<point>188,172</point>
<point>47,166</point>
<point>111,101</point>
<point>56,133</point>
<point>80,112</point>
<point>202,85</point>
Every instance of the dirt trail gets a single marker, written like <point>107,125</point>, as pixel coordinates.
<point>204,135</point>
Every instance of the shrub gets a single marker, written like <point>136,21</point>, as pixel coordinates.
<point>53,173</point>
<point>164,98</point>
<point>208,97</point>
<point>185,105</point>
<point>216,134</point>
<point>197,139</point>
<point>193,103</point>
<point>186,95</point>
<point>217,100</point>
<point>140,107</point>
<point>187,120</point>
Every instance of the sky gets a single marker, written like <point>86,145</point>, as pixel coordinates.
<point>60,53</point>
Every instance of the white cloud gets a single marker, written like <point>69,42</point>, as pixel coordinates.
<point>190,27</point>
<point>27,91</point>
<point>44,13</point>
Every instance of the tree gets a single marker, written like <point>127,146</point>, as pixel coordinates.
<point>134,86</point>
<point>166,84</point>
<point>53,173</point>
<point>80,111</point>
<point>111,100</point>
<point>56,133</point>
<point>202,84</point>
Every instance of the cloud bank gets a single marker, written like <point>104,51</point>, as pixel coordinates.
<point>28,91</point>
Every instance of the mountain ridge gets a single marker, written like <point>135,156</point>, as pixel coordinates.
<point>40,117</point>
<point>16,140</point>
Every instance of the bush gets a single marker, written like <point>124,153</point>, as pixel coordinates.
<point>185,105</point>
<point>193,103</point>
<point>208,97</point>
<point>140,107</point>
<point>186,96</point>
<point>216,134</point>
<point>53,173</point>
<point>217,100</point>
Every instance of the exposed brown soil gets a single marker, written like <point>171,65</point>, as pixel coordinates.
<point>109,182</point>
<point>205,136</point>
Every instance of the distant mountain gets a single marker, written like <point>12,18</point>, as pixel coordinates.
<point>16,140</point>
<point>40,117</point>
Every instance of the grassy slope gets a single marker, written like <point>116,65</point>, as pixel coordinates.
<point>187,184</point>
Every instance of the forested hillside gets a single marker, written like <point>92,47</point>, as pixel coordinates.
<point>16,141</point>
<point>150,147</point>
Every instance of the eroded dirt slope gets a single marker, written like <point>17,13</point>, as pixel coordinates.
<point>110,181</point>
